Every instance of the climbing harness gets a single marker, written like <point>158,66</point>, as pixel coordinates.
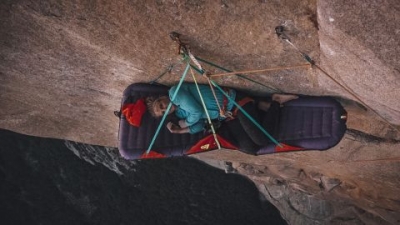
<point>280,31</point>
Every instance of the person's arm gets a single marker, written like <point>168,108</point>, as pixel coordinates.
<point>192,110</point>
<point>195,128</point>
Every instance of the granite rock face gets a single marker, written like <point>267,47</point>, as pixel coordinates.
<point>49,181</point>
<point>356,182</point>
<point>64,66</point>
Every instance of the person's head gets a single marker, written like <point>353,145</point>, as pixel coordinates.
<point>158,106</point>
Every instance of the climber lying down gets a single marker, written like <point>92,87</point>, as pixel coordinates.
<point>188,106</point>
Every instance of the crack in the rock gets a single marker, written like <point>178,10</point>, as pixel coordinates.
<point>362,136</point>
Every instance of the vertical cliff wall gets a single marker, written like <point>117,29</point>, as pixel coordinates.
<point>50,181</point>
<point>64,65</point>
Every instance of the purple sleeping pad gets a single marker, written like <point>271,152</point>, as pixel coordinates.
<point>313,123</point>
<point>308,123</point>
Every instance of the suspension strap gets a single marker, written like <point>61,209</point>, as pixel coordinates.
<point>238,75</point>
<point>168,108</point>
<point>194,60</point>
<point>206,111</point>
<point>307,65</point>
<point>222,112</point>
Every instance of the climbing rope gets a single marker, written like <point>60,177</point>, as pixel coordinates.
<point>261,70</point>
<point>206,111</point>
<point>222,112</point>
<point>280,31</point>
<point>238,75</point>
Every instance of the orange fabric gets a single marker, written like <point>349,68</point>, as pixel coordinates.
<point>152,154</point>
<point>133,112</point>
<point>208,143</point>
<point>287,148</point>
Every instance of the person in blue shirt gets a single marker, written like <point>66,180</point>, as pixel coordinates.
<point>188,107</point>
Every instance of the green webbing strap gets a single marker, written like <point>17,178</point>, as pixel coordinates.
<point>247,115</point>
<point>168,108</point>
<point>197,69</point>
<point>168,69</point>
<point>239,75</point>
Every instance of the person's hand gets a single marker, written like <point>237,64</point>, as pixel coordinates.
<point>182,123</point>
<point>172,127</point>
<point>175,129</point>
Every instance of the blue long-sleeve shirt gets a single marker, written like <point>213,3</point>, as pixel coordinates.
<point>190,108</point>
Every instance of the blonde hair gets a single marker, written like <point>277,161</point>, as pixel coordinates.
<point>153,105</point>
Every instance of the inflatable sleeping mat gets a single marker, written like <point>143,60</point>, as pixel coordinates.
<point>306,123</point>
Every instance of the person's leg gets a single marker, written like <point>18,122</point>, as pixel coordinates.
<point>251,129</point>
<point>280,98</point>
<point>271,118</point>
<point>264,106</point>
<point>233,132</point>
